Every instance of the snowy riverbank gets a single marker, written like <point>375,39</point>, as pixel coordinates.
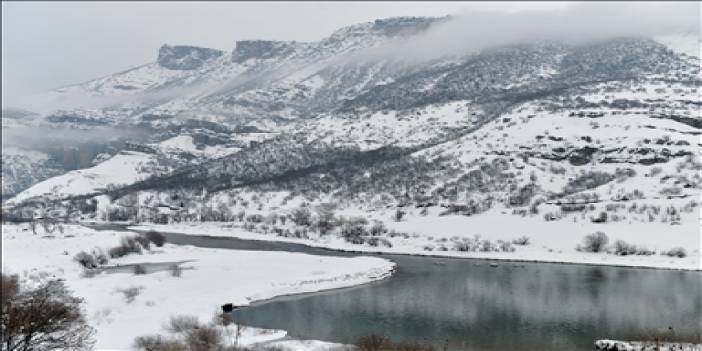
<point>548,241</point>
<point>210,278</point>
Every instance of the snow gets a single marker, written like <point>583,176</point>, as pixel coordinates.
<point>617,345</point>
<point>682,43</point>
<point>124,168</point>
<point>402,129</point>
<point>210,278</point>
<point>181,143</point>
<point>28,156</point>
<point>553,241</point>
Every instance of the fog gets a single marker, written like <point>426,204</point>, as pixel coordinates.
<point>46,45</point>
<point>81,41</point>
<point>582,23</point>
<point>38,137</point>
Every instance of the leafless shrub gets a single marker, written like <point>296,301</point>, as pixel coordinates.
<point>301,216</point>
<point>595,242</point>
<point>100,257</point>
<point>158,343</point>
<point>622,248</point>
<point>128,245</point>
<point>130,293</point>
<point>378,228</point>
<point>678,252</point>
<point>354,233</point>
<point>601,218</point>
<point>326,221</point>
<point>175,270</point>
<point>182,324</point>
<point>255,218</point>
<point>505,246</point>
<point>375,242</point>
<point>143,241</point>
<point>10,287</point>
<point>204,338</point>
<point>521,241</point>
<point>86,260</point>
<point>156,238</point>
<point>139,269</point>
<point>399,215</point>
<point>45,318</point>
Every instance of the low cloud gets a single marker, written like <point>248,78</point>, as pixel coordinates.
<point>580,23</point>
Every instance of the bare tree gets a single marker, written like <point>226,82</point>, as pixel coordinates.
<point>326,221</point>
<point>301,216</point>
<point>42,319</point>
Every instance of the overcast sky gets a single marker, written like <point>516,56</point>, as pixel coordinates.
<point>49,44</point>
<point>46,45</point>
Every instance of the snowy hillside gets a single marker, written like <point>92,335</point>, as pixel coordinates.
<point>125,168</point>
<point>21,168</point>
<point>598,135</point>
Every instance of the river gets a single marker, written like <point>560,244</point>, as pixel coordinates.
<point>472,304</point>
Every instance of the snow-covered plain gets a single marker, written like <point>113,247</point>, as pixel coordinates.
<point>210,278</point>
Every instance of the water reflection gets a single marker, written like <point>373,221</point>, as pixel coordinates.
<point>512,306</point>
<point>473,306</point>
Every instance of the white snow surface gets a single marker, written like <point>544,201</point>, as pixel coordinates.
<point>682,43</point>
<point>122,169</point>
<point>554,241</point>
<point>210,278</point>
<point>645,346</point>
<point>185,143</point>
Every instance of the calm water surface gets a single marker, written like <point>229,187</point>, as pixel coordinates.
<point>471,305</point>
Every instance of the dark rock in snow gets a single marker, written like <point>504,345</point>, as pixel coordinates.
<point>181,57</point>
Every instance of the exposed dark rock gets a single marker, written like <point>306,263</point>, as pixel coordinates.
<point>261,49</point>
<point>181,57</point>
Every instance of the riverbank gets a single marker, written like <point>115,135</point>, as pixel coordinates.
<point>122,306</point>
<point>553,242</point>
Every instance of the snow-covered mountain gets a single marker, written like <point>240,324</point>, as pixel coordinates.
<point>338,120</point>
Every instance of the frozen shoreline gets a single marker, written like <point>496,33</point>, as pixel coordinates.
<point>562,251</point>
<point>212,277</point>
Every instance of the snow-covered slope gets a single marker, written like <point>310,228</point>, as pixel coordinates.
<point>124,168</point>
<point>546,130</point>
<point>21,168</point>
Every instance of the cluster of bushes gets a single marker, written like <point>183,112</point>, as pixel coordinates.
<point>521,241</point>
<point>622,248</point>
<point>128,245</point>
<point>476,244</point>
<point>135,244</point>
<point>355,230</point>
<point>597,242</point>
<point>586,181</point>
<point>91,260</point>
<point>186,333</point>
<point>678,252</point>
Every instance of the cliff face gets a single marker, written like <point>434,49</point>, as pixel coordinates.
<point>180,57</point>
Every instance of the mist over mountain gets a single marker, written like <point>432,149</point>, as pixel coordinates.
<point>372,94</point>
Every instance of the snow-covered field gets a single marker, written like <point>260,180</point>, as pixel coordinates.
<point>210,278</point>
<point>554,241</point>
